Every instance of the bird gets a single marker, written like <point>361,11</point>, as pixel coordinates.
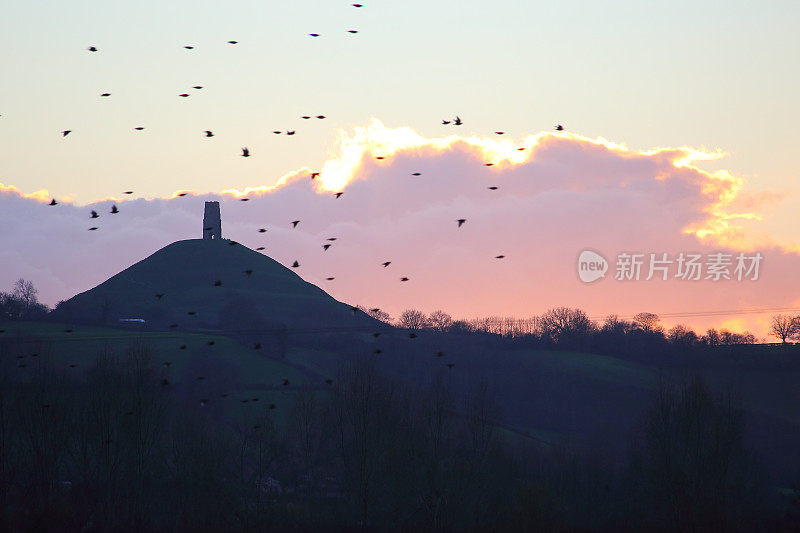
<point>73,365</point>
<point>461,221</point>
<point>248,271</point>
<point>378,351</point>
<point>160,295</point>
<point>138,128</point>
<point>412,335</point>
<point>233,42</point>
<point>68,331</point>
<point>314,175</point>
<point>320,117</point>
<point>289,132</point>
<point>164,382</point>
<point>183,347</point>
<point>245,152</point>
<point>457,121</point>
<point>439,354</point>
<point>450,365</point>
<point>262,230</point>
<point>184,95</point>
<point>492,188</point>
<point>403,279</point>
<point>338,194</point>
<point>94,214</point>
<point>352,31</point>
<point>376,335</point>
<point>253,399</point>
<point>209,133</point>
<point>65,133</point>
<point>244,199</point>
<point>559,127</point>
<point>260,248</point>
<point>92,49</point>
<point>114,210</point>
<point>106,94</point>
<point>257,346</point>
<point>197,87</point>
<point>445,122</point>
<point>386,264</point>
<point>329,279</point>
<point>499,257</point>
<point>192,313</point>
<point>306,117</point>
<point>489,164</point>
<point>53,202</point>
<point>314,34</point>
<point>285,382</point>
<point>520,149</point>
<point>93,228</point>
<point>499,132</point>
<point>223,395</point>
<point>218,283</point>
<point>332,238</point>
<point>188,47</point>
<point>357,5</point>
<point>295,264</point>
<point>127,192</point>
<point>326,246</point>
<point>211,343</point>
<point>295,223</point>
<point>129,413</point>
<point>379,157</point>
<point>416,173</point>
<point>277,132</point>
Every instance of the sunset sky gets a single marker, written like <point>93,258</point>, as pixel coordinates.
<point>680,117</point>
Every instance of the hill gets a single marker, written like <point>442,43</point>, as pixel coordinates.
<point>204,285</point>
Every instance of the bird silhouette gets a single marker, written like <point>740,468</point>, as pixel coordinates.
<point>352,31</point>
<point>173,326</point>
<point>160,295</point>
<point>380,157</point>
<point>277,132</point>
<point>248,271</point>
<point>183,347</point>
<point>306,117</point>
<point>376,335</point>
<point>272,406</point>
<point>439,354</point>
<point>493,188</point>
<point>128,192</point>
<point>218,283</point>
<point>314,34</point>
<point>191,313</point>
<point>457,121</point>
<point>416,173</point>
<point>184,95</point>
<point>257,346</point>
<point>288,132</point>
<point>461,221</point>
<point>329,381</point>
<point>314,175</point>
<point>167,363</point>
<point>403,279</point>
<point>412,335</point>
<point>262,230</point>
<point>68,330</point>
<point>254,399</point>
<point>244,199</point>
<point>489,164</point>
<point>357,5</point>
<point>320,117</point>
<point>332,238</point>
<point>338,194</point>
<point>92,49</point>
<point>94,214</point>
<point>197,87</point>
<point>209,133</point>
<point>378,351</point>
<point>260,248</point>
<point>106,94</point>
<point>203,403</point>
<point>93,228</point>
<point>520,149</point>
<point>285,382</point>
<point>223,395</point>
<point>188,47</point>
<point>450,365</point>
<point>499,257</point>
<point>499,132</point>
<point>445,122</point>
<point>386,264</point>
<point>138,128</point>
<point>295,223</point>
<point>233,42</point>
<point>295,264</point>
<point>164,382</point>
<point>200,378</point>
<point>559,128</point>
<point>114,210</point>
<point>65,133</point>
<point>329,279</point>
<point>73,365</point>
<point>326,246</point>
<point>245,152</point>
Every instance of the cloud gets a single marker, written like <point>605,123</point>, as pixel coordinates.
<point>559,194</point>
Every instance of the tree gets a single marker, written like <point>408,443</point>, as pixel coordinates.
<point>564,324</point>
<point>412,319</point>
<point>648,322</point>
<point>784,327</point>
<point>440,321</point>
<point>377,314</point>
<point>681,335</point>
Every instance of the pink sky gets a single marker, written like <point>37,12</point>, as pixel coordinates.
<point>564,193</point>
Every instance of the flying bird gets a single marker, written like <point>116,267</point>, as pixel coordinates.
<point>211,343</point>
<point>218,283</point>
<point>257,346</point>
<point>262,230</point>
<point>320,117</point>
<point>65,133</point>
<point>295,223</point>
<point>285,382</point>
<point>492,188</point>
<point>159,295</point>
<point>386,264</point>
<point>326,246</point>
<point>314,34</point>
<point>416,173</point>
<point>106,94</point>
<point>457,121</point>
<point>189,47</point>
<point>305,117</point>
<point>183,347</point>
<point>184,95</point>
<point>403,279</point>
<point>352,31</point>
<point>289,132</point>
<point>450,365</point>
<point>191,313</point>
<point>332,238</point>
<point>295,264</point>
<point>197,87</point>
<point>127,192</point>
<point>379,157</point>
<point>329,381</point>
<point>92,49</point>
<point>245,152</point>
<point>138,128</point>
<point>461,221</point>
<point>338,194</point>
<point>248,271</point>
<point>182,194</point>
<point>209,133</point>
<point>233,42</point>
<point>244,199</point>
<point>114,210</point>
<point>93,228</point>
<point>520,149</point>
<point>260,248</point>
<point>499,257</point>
<point>53,202</point>
<point>445,122</point>
<point>489,164</point>
<point>559,128</point>
<point>439,354</point>
<point>277,132</point>
<point>358,5</point>
<point>94,214</point>
<point>314,175</point>
<point>329,279</point>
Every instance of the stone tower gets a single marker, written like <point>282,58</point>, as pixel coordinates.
<point>212,221</point>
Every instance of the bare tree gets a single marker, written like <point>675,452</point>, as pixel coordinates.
<point>563,324</point>
<point>681,335</point>
<point>784,327</point>
<point>439,320</point>
<point>648,322</point>
<point>412,319</point>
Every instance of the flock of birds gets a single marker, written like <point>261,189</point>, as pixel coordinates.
<point>457,121</point>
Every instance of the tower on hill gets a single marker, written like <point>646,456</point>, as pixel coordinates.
<point>212,221</point>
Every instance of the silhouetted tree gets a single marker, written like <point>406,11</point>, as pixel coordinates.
<point>412,319</point>
<point>784,327</point>
<point>439,320</point>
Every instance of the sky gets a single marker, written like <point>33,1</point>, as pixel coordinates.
<point>718,77</point>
